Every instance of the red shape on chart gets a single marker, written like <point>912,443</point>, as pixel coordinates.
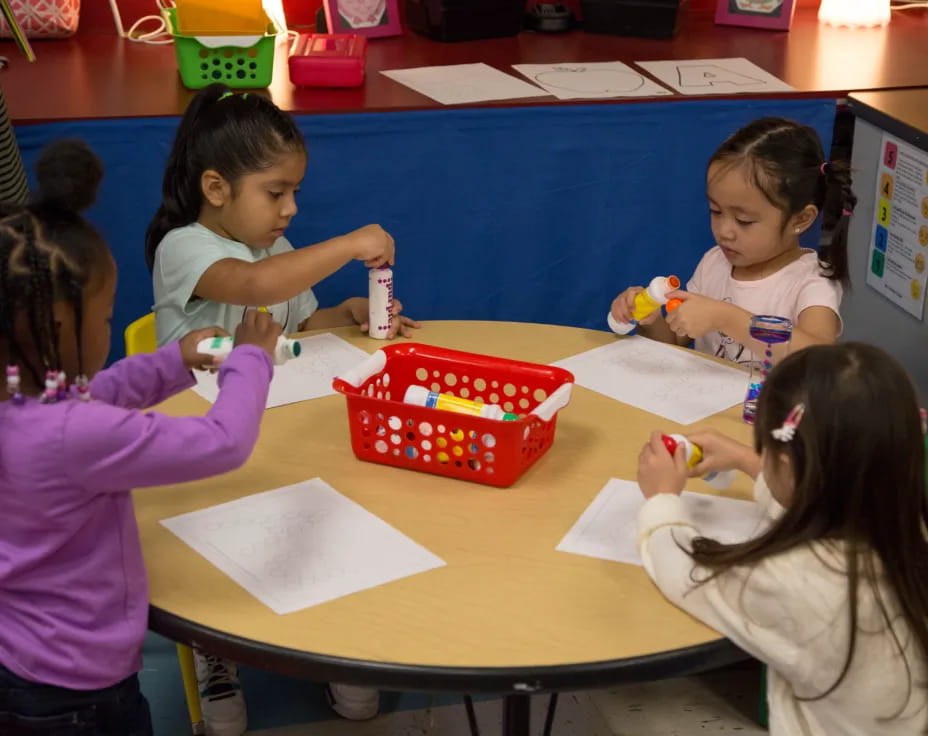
<point>890,155</point>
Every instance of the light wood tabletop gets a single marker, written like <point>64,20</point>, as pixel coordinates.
<point>506,606</point>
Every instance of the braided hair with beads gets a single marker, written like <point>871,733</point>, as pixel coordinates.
<point>48,253</point>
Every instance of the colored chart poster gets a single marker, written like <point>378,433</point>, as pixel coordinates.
<point>899,239</point>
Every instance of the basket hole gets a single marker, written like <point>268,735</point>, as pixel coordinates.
<point>509,389</point>
<point>252,52</point>
<point>422,374</point>
<point>441,429</point>
<point>457,451</point>
<point>525,389</point>
<point>411,436</point>
<point>464,392</point>
<point>204,53</point>
<point>489,457</point>
<point>395,423</point>
<point>204,66</point>
<point>386,380</point>
<point>411,452</point>
<point>254,76</point>
<point>473,464</point>
<point>457,435</point>
<point>240,74</point>
<point>540,394</point>
<point>442,457</point>
<point>488,440</point>
<point>387,395</point>
<point>472,434</point>
<point>425,429</point>
<point>436,387</point>
<point>216,61</point>
<point>490,471</point>
<point>203,76</point>
<point>508,406</point>
<point>494,398</point>
<point>458,464</point>
<point>480,385</point>
<point>366,431</point>
<point>217,74</point>
<point>426,445</point>
<point>380,394</point>
<point>381,446</point>
<point>436,374</point>
<point>395,439</point>
<point>494,384</point>
<point>410,423</point>
<point>370,389</point>
<point>441,442</point>
<point>367,445</point>
<point>228,66</point>
<point>465,379</point>
<point>379,417</point>
<point>451,379</point>
<point>523,403</point>
<point>381,430</point>
<point>240,61</point>
<point>473,448</point>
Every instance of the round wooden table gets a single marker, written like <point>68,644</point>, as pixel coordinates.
<point>508,614</point>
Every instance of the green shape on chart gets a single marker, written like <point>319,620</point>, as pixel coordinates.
<point>878,262</point>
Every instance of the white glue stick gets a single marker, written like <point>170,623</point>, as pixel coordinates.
<point>380,294</point>
<point>222,346</point>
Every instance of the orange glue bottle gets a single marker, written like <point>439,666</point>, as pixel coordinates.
<point>646,302</point>
<point>693,453</point>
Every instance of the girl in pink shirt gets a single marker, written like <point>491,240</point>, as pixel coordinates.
<point>766,185</point>
<point>73,592</point>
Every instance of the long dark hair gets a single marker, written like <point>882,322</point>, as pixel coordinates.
<point>48,253</point>
<point>232,134</point>
<point>786,163</point>
<point>858,466</point>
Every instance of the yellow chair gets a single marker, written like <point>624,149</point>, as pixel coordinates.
<point>140,338</point>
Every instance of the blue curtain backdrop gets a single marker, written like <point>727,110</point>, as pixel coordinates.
<point>538,214</point>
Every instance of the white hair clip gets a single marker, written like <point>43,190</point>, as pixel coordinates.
<point>787,431</point>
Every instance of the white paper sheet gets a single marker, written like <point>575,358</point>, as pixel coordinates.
<point>676,384</point>
<point>573,80</point>
<point>608,528</point>
<point>714,76</point>
<point>459,84</point>
<point>301,545</point>
<point>309,376</point>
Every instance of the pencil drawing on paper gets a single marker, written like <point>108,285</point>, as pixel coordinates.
<point>711,75</point>
<point>590,81</point>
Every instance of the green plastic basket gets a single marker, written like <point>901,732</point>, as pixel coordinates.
<point>239,67</point>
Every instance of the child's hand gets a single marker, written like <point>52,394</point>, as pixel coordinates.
<point>373,245</point>
<point>188,349</point>
<point>658,470</point>
<point>720,452</point>
<point>259,329</point>
<point>697,315</point>
<point>624,303</point>
<point>360,313</point>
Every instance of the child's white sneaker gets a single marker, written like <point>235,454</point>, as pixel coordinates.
<point>353,703</point>
<point>221,696</point>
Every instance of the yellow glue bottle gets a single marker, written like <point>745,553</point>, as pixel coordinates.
<point>421,396</point>
<point>646,302</point>
<point>718,479</point>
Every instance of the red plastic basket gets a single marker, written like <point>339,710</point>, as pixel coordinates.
<point>385,430</point>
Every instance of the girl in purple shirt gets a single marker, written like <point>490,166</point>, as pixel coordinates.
<point>74,440</point>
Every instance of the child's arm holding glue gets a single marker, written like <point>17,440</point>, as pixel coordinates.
<point>698,315</point>
<point>111,448</point>
<point>283,276</point>
<point>772,591</point>
<point>144,380</point>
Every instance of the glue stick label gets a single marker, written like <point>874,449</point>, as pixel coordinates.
<point>644,305</point>
<point>447,402</point>
<point>380,291</point>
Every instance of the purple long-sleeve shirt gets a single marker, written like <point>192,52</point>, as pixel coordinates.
<point>73,591</point>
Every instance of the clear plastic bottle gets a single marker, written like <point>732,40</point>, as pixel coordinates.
<point>380,297</point>
<point>222,346</point>
<point>646,302</point>
<point>721,479</point>
<point>421,396</point>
